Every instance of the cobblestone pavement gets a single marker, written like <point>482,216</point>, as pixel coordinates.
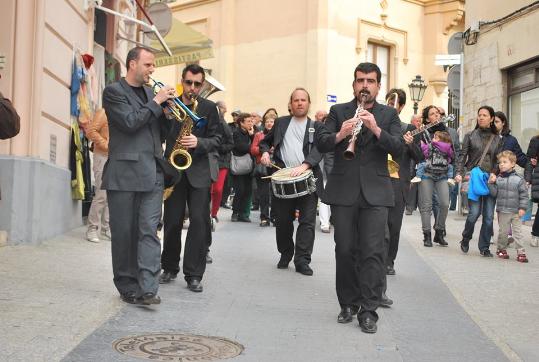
<point>58,302</point>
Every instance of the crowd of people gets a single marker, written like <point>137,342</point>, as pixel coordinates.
<point>359,167</point>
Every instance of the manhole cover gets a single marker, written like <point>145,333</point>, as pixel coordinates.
<point>177,347</point>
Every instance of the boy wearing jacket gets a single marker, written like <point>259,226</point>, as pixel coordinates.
<point>511,195</point>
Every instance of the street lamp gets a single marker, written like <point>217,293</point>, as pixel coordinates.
<point>417,90</point>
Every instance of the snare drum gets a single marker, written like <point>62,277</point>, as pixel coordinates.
<point>287,187</point>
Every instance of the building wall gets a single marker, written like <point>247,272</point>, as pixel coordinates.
<point>35,178</point>
<point>497,49</point>
<point>264,49</point>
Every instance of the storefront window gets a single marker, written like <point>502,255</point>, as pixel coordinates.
<point>524,116</point>
<point>524,102</point>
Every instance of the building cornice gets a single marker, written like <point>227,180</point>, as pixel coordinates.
<point>190,4</point>
<point>431,2</point>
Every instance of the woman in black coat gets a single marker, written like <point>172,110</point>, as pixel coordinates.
<point>532,177</point>
<point>243,137</point>
<point>510,143</point>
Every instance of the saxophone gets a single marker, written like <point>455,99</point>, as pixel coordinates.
<point>180,158</point>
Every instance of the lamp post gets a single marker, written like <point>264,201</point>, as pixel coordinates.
<point>417,90</point>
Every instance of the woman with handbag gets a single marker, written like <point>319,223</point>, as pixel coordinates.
<point>531,175</point>
<point>263,184</point>
<point>241,166</point>
<point>479,150</point>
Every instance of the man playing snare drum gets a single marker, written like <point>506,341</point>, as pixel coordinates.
<point>292,138</point>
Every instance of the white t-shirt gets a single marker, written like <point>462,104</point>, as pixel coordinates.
<point>292,146</point>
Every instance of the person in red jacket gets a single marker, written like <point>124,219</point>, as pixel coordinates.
<point>263,184</point>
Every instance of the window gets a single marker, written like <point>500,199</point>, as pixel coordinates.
<point>379,55</point>
<point>523,82</point>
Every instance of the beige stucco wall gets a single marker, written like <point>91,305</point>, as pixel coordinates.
<point>263,49</point>
<point>497,49</point>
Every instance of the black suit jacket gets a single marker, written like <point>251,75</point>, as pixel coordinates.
<point>411,155</point>
<point>135,145</point>
<point>199,173</point>
<point>275,137</point>
<point>367,172</point>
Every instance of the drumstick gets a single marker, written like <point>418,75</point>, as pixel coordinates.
<point>264,177</point>
<point>274,165</point>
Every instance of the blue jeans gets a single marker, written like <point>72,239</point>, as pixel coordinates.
<point>484,206</point>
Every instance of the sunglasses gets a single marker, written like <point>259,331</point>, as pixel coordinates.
<point>189,82</point>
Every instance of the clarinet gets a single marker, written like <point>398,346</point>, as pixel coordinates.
<point>350,152</point>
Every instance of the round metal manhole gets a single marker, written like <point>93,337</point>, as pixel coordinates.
<point>177,347</point>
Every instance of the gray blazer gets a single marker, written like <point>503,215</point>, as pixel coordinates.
<point>135,139</point>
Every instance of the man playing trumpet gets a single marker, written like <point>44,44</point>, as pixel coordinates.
<point>360,193</point>
<point>134,177</point>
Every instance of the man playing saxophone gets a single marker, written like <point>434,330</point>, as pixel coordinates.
<point>193,189</point>
<point>359,192</point>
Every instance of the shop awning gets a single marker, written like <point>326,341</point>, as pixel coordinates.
<point>186,44</point>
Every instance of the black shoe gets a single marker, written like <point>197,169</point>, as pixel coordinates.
<point>244,219</point>
<point>465,245</point>
<point>408,212</point>
<point>209,259</point>
<point>347,314</point>
<point>148,299</point>
<point>194,285</point>
<point>439,237</point>
<point>486,253</point>
<point>234,217</point>
<point>304,269</point>
<point>264,223</point>
<point>283,263</point>
<point>166,277</point>
<point>367,324</point>
<point>390,270</point>
<point>427,240</point>
<point>129,297</point>
<point>385,302</point>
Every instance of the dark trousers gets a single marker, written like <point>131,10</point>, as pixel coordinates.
<point>263,187</point>
<point>242,193</point>
<point>360,255</point>
<point>394,221</point>
<point>535,226</point>
<point>285,210</point>
<point>411,197</point>
<point>135,247</point>
<point>198,234</point>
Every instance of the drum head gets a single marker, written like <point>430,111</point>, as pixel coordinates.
<point>284,175</point>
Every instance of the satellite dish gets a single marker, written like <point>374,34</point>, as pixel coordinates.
<point>453,79</point>
<point>162,18</point>
<point>455,45</point>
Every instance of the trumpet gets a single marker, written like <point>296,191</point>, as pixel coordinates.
<point>178,109</point>
<point>350,151</point>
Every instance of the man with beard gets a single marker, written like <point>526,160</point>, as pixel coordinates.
<point>292,138</point>
<point>360,193</point>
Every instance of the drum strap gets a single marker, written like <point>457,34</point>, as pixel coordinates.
<point>311,131</point>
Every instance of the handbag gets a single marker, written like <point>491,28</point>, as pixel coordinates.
<point>465,186</point>
<point>241,165</point>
